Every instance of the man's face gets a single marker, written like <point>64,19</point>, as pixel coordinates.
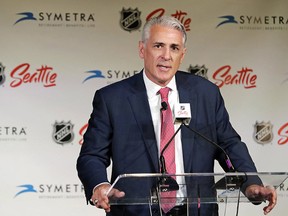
<point>162,54</point>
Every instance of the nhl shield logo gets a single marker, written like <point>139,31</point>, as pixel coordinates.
<point>130,19</point>
<point>62,132</point>
<point>199,71</point>
<point>263,132</point>
<point>2,75</point>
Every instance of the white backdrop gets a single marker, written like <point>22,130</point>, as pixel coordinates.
<point>55,54</point>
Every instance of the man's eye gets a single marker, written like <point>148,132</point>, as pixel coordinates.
<point>158,45</point>
<point>175,48</point>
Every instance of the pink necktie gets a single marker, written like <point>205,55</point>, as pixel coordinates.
<point>167,131</point>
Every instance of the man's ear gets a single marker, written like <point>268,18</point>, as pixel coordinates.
<point>141,49</point>
<point>183,54</point>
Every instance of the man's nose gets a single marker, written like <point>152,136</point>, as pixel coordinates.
<point>166,54</point>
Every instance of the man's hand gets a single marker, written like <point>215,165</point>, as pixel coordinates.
<point>100,197</point>
<point>260,193</point>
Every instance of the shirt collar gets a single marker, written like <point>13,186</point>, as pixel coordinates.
<point>152,88</point>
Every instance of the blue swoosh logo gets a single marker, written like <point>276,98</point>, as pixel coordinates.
<point>228,19</point>
<point>95,74</point>
<point>26,16</point>
<point>27,188</point>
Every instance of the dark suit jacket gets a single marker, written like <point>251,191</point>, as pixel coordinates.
<point>120,128</point>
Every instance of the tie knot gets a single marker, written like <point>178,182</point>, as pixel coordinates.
<point>164,93</point>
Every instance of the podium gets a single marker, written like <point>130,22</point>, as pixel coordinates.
<point>202,190</point>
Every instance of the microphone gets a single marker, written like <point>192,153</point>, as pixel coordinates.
<point>166,183</point>
<point>182,114</point>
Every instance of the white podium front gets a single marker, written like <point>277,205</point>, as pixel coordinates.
<point>202,189</point>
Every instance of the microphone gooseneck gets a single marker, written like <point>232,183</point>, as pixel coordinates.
<point>162,159</point>
<point>227,158</point>
<point>166,183</point>
<point>234,181</point>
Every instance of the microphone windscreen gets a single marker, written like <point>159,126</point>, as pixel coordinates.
<point>164,105</point>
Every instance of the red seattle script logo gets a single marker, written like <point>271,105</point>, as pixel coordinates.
<point>43,75</point>
<point>283,132</point>
<point>180,15</point>
<point>242,77</point>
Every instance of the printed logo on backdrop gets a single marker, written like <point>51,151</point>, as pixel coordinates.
<point>94,74</point>
<point>2,75</point>
<point>224,76</point>
<point>254,22</point>
<point>282,190</point>
<point>130,19</point>
<point>263,132</point>
<point>23,74</point>
<point>226,20</point>
<point>110,75</point>
<point>27,188</point>
<point>51,191</point>
<point>283,133</point>
<point>182,16</point>
<point>25,16</point>
<point>63,132</point>
<point>243,77</point>
<point>13,134</point>
<point>198,70</point>
<point>56,19</point>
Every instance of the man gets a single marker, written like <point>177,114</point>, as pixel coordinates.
<point>125,126</point>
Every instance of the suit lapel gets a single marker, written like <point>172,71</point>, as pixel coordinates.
<point>187,95</point>
<point>141,110</point>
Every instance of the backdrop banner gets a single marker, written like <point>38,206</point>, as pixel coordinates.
<point>55,54</point>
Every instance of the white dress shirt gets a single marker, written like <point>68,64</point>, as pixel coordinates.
<point>154,100</point>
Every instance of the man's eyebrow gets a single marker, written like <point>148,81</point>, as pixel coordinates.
<point>171,45</point>
<point>159,43</point>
